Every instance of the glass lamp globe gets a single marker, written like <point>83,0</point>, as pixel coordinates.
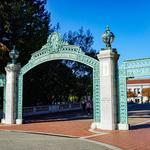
<point>14,54</point>
<point>108,37</point>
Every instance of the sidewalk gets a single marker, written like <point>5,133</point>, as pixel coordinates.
<point>138,138</point>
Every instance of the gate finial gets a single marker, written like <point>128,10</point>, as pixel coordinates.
<point>14,54</point>
<point>108,37</point>
<point>54,40</point>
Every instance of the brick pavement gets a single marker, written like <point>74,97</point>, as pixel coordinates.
<point>72,128</point>
<point>138,138</point>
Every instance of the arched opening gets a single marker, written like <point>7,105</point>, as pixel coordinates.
<point>134,87</point>
<point>138,99</point>
<point>56,49</point>
<point>54,91</point>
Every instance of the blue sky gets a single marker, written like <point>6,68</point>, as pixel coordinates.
<point>129,20</point>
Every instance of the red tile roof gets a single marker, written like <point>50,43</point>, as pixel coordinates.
<point>138,81</point>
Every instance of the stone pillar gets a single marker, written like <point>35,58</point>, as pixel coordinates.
<point>108,94</point>
<point>11,92</point>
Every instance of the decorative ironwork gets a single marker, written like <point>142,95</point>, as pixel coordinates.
<point>123,114</point>
<point>2,80</point>
<point>3,84</point>
<point>108,37</point>
<point>56,49</point>
<point>14,54</point>
<point>130,68</point>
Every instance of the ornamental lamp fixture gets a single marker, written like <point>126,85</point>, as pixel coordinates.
<point>14,54</point>
<point>108,37</point>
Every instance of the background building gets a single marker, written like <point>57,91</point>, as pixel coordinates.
<point>138,90</point>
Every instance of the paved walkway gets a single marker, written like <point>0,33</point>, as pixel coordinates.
<point>23,141</point>
<point>138,138</point>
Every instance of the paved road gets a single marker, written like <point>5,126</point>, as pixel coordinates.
<point>134,107</point>
<point>139,110</point>
<point>24,141</point>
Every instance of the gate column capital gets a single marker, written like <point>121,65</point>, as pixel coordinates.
<point>13,67</point>
<point>108,53</point>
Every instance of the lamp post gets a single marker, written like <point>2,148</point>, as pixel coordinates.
<point>14,54</point>
<point>12,71</point>
<point>108,37</point>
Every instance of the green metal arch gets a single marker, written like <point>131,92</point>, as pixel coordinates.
<point>82,58</point>
<point>56,49</point>
<point>2,80</point>
<point>3,84</point>
<point>129,69</point>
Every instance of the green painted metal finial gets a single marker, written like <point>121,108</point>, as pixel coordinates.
<point>107,28</point>
<point>14,54</point>
<point>108,37</point>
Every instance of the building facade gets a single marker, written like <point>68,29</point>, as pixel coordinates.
<point>134,89</point>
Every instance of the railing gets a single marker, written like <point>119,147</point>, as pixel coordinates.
<point>36,110</point>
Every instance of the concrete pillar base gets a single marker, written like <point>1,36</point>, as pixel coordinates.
<point>104,126</point>
<point>2,120</point>
<point>123,126</point>
<point>8,121</point>
<point>19,121</point>
<point>95,125</point>
<point>107,126</point>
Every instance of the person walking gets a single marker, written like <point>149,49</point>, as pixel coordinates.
<point>83,106</point>
<point>88,107</point>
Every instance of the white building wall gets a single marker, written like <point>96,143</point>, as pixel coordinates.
<point>134,88</point>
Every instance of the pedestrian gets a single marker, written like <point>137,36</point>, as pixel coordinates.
<point>88,107</point>
<point>83,106</point>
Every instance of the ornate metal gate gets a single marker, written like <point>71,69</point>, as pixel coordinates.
<point>3,84</point>
<point>130,69</point>
<point>56,49</point>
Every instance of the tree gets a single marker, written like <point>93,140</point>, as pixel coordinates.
<point>81,38</point>
<point>24,23</point>
<point>3,56</point>
<point>51,81</point>
<point>85,40</point>
<point>146,92</point>
<point>131,94</point>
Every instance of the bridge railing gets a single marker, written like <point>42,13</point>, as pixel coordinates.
<point>37,110</point>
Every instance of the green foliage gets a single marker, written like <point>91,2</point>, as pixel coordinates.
<point>24,23</point>
<point>84,40</point>
<point>146,92</point>
<point>81,38</point>
<point>47,83</point>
